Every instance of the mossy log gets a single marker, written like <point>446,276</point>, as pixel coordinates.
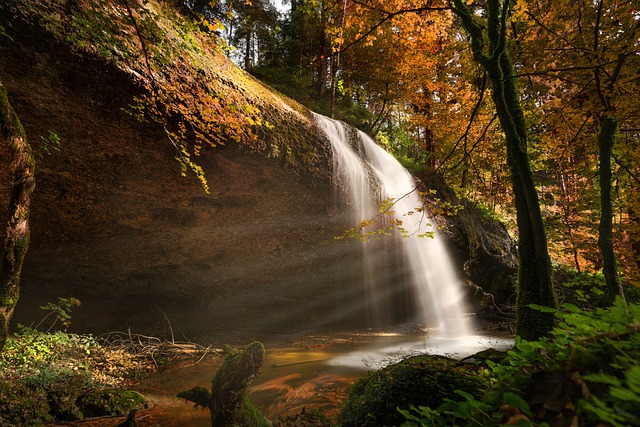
<point>16,241</point>
<point>228,400</point>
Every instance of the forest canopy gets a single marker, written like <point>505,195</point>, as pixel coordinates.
<point>406,72</point>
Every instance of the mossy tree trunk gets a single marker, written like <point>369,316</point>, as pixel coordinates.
<point>606,143</point>
<point>534,265</point>
<point>228,400</point>
<point>16,241</point>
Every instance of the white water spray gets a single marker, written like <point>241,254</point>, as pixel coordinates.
<point>369,175</point>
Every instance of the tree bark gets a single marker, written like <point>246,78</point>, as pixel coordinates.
<point>606,143</point>
<point>228,400</point>
<point>248,53</point>
<point>324,53</point>
<point>534,266</point>
<point>16,242</point>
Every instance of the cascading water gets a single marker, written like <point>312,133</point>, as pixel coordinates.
<point>369,175</point>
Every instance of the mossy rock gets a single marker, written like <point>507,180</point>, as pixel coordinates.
<point>419,381</point>
<point>303,419</point>
<point>22,406</point>
<point>99,403</point>
<point>62,390</point>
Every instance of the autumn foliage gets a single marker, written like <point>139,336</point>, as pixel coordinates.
<point>575,62</point>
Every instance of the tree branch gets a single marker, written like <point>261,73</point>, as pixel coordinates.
<point>475,31</point>
<point>480,138</point>
<point>596,46</point>
<point>389,16</point>
<point>474,112</point>
<point>142,43</point>
<point>535,19</point>
<point>626,168</point>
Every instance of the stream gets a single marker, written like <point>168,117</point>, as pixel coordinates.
<point>316,376</point>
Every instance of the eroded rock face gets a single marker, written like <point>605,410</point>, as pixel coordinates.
<point>115,225</point>
<point>485,252</point>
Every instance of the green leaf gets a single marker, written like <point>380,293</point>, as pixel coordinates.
<point>542,308</point>
<point>517,402</point>
<point>408,415</point>
<point>602,379</point>
<point>624,394</point>
<point>572,308</point>
<point>4,33</point>
<point>600,409</point>
<point>633,379</point>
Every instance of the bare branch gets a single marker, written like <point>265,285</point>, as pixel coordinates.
<point>474,112</point>
<point>388,17</point>
<point>627,169</point>
<point>480,138</point>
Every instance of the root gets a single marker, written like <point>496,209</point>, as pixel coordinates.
<point>155,351</point>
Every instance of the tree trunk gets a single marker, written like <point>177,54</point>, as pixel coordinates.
<point>248,52</point>
<point>606,143</point>
<point>534,272</point>
<point>324,52</point>
<point>534,266</point>
<point>228,400</point>
<point>16,240</point>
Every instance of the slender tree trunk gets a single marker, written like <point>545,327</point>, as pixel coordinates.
<point>324,54</point>
<point>606,144</point>
<point>248,52</point>
<point>16,241</point>
<point>566,218</point>
<point>634,237</point>
<point>534,267</point>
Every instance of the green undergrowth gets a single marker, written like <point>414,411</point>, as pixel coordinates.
<point>47,376</point>
<point>52,375</point>
<point>587,290</point>
<point>586,373</point>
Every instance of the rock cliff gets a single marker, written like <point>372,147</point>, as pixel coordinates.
<point>115,225</point>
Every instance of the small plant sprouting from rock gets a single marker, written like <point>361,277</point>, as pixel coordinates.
<point>49,144</point>
<point>61,312</point>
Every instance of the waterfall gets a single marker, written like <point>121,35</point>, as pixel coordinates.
<point>398,270</point>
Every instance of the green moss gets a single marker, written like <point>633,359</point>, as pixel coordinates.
<point>9,122</point>
<point>198,395</point>
<point>99,403</point>
<point>228,400</point>
<point>423,380</point>
<point>23,406</point>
